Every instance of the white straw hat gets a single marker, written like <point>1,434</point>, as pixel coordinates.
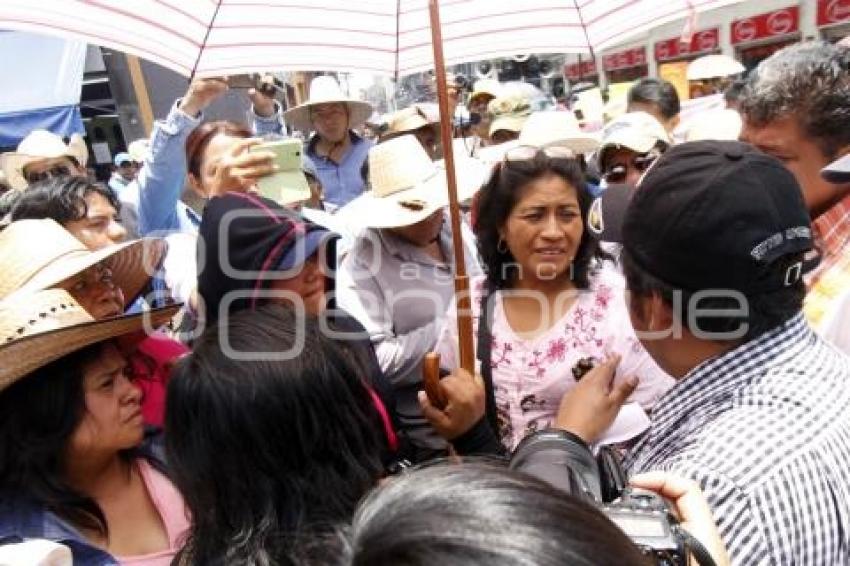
<point>407,187</point>
<point>713,66</point>
<point>325,90</point>
<point>50,324</point>
<point>720,124</point>
<point>40,254</point>
<point>556,129</point>
<point>38,145</point>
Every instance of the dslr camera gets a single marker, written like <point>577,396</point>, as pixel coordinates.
<point>564,461</point>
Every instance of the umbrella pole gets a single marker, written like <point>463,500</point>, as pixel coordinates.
<point>464,313</point>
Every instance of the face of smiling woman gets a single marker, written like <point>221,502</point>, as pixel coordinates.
<point>543,232</point>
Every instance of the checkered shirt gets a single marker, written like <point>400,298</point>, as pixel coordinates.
<point>832,276</point>
<point>765,430</point>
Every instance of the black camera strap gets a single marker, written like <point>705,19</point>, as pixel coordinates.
<point>484,354</point>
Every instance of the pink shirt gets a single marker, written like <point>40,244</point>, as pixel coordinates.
<point>169,504</point>
<point>531,376</point>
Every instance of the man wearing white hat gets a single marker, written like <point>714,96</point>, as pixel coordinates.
<point>43,154</point>
<point>337,151</point>
<point>630,144</point>
<point>397,278</point>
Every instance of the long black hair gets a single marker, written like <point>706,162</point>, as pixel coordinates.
<point>264,449</point>
<point>62,198</point>
<point>38,415</point>
<point>497,199</point>
<point>478,513</point>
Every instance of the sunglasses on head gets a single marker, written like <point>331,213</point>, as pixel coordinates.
<point>618,173</point>
<point>55,171</point>
<point>529,152</point>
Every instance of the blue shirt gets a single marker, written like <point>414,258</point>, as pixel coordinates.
<point>341,182</point>
<point>156,192</point>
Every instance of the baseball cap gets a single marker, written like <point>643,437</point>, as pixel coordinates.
<point>838,171</point>
<point>637,131</point>
<point>718,215</point>
<point>606,214</point>
<point>122,158</point>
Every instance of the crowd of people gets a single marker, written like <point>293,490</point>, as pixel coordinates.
<point>241,382</point>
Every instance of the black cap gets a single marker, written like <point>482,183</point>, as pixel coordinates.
<point>717,215</point>
<point>606,214</point>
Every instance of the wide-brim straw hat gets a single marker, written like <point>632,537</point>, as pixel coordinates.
<point>325,90</point>
<point>407,120</point>
<point>713,66</point>
<point>50,324</point>
<point>556,129</point>
<point>40,254</point>
<point>38,145</point>
<point>407,187</point>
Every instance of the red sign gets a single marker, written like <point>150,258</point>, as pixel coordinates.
<point>573,71</point>
<point>625,59</point>
<point>771,24</point>
<point>704,41</point>
<point>833,11</point>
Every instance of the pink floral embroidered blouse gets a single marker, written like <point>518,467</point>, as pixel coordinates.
<point>531,376</point>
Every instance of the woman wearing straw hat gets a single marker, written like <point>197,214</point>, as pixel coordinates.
<point>75,466</point>
<point>40,254</point>
<point>397,278</point>
<point>336,149</point>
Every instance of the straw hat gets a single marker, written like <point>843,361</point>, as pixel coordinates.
<point>38,145</point>
<point>485,87</point>
<point>407,187</point>
<point>713,66</point>
<point>50,324</point>
<point>40,254</point>
<point>407,120</point>
<point>555,128</point>
<point>509,113</point>
<point>325,90</point>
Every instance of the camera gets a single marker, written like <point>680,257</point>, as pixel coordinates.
<point>564,461</point>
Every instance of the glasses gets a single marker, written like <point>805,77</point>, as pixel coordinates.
<point>529,152</point>
<point>55,171</point>
<point>619,172</point>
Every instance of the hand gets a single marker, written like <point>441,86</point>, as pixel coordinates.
<point>465,395</point>
<point>264,105</point>
<point>691,506</point>
<point>202,93</point>
<point>590,407</point>
<point>238,169</point>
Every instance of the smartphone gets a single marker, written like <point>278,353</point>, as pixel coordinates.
<point>243,81</point>
<point>267,84</point>
<point>289,184</point>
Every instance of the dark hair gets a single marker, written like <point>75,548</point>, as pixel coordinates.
<point>264,449</point>
<point>38,414</point>
<point>735,91</point>
<point>498,197</point>
<point>476,513</point>
<point>62,199</point>
<point>201,137</point>
<point>764,311</point>
<point>657,92</point>
<point>810,81</point>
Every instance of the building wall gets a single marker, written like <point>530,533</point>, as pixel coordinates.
<point>721,18</point>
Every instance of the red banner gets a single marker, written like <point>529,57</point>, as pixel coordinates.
<point>704,41</point>
<point>573,71</point>
<point>833,12</point>
<point>771,24</point>
<point>625,59</point>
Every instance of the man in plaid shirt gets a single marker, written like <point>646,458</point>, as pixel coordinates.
<point>795,108</point>
<point>714,244</point>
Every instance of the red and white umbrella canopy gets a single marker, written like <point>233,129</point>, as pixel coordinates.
<point>217,37</point>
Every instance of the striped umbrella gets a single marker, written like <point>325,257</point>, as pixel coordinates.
<point>228,37</point>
